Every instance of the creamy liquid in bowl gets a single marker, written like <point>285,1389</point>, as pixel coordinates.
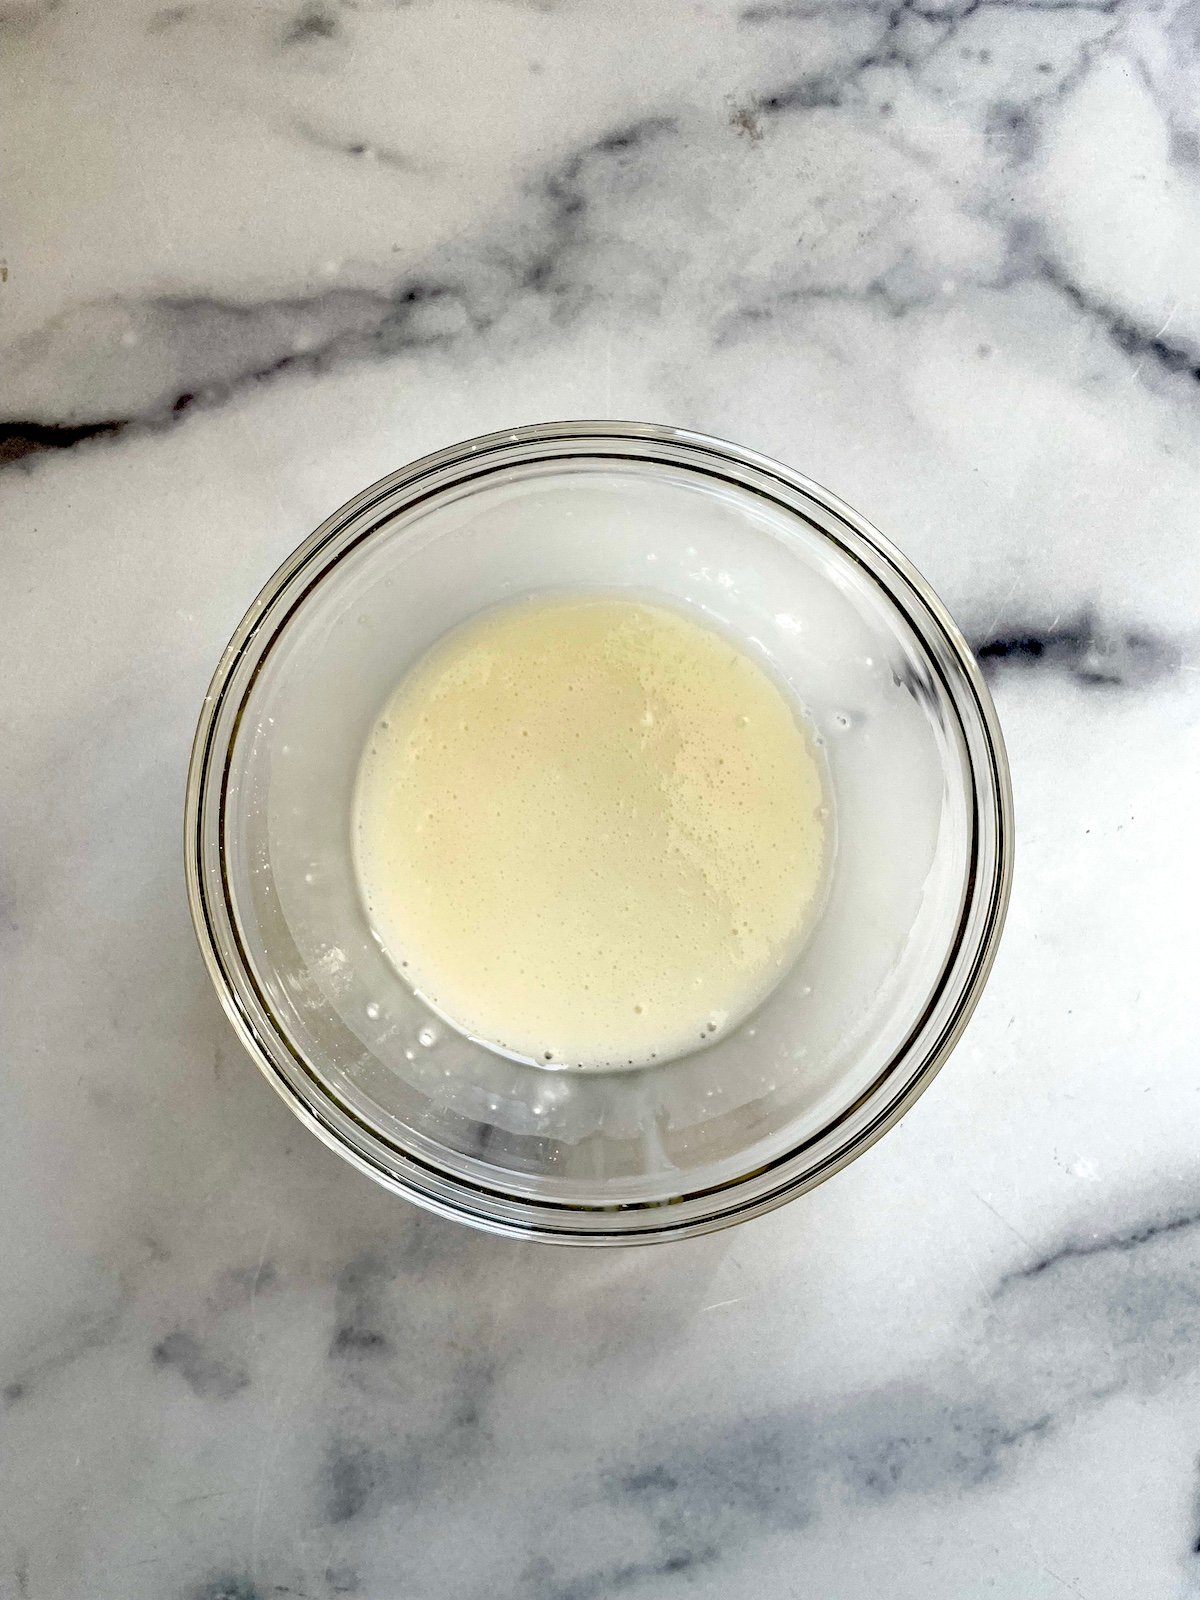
<point>591,831</point>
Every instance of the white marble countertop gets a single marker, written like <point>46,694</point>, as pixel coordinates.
<point>943,258</point>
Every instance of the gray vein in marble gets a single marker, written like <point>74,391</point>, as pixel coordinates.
<point>358,1312</point>
<point>541,1582</point>
<point>1061,1336</point>
<point>16,22</point>
<point>342,1579</point>
<point>219,348</point>
<point>729,1483</point>
<point>896,294</point>
<point>78,1336</point>
<point>231,1586</point>
<point>204,1354</point>
<point>208,1376</point>
<point>351,1473</point>
<point>757,14</point>
<point>357,149</point>
<point>894,46</point>
<point>1013,132</point>
<point>213,350</point>
<point>910,36</point>
<point>369,1463</point>
<point>568,193</point>
<point>361,1474</point>
<point>311,22</point>
<point>168,17</point>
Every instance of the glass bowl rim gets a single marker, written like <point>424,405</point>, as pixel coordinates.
<point>405,1172</point>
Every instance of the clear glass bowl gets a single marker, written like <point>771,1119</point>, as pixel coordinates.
<point>882,989</point>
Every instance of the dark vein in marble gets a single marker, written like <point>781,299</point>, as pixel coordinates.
<point>1084,650</point>
<point>20,439</point>
<point>810,10</point>
<point>953,13</point>
<point>1133,339</point>
<point>887,293</point>
<point>897,44</point>
<point>232,348</point>
<point>892,48</point>
<point>568,194</point>
<point>1119,1243</point>
<point>357,149</point>
<point>229,348</point>
<point>814,91</point>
